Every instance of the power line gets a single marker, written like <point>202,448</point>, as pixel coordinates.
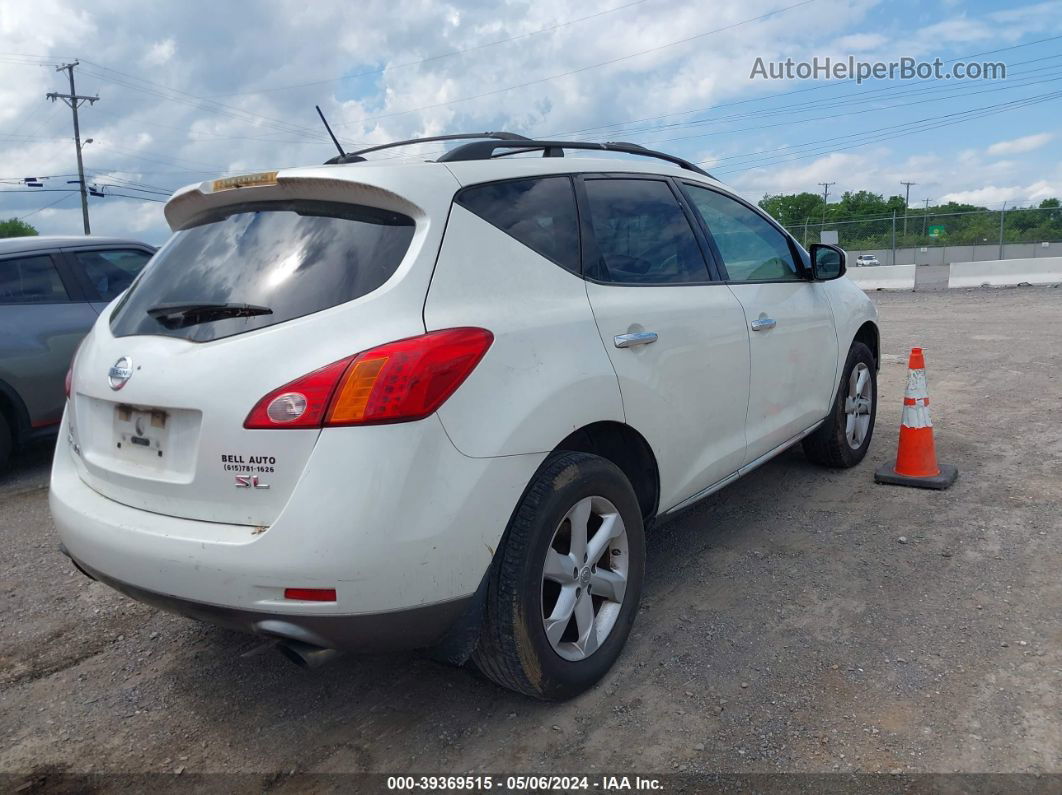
<point>558,135</point>
<point>850,100</point>
<point>988,110</point>
<point>142,198</point>
<point>181,97</point>
<point>45,207</point>
<point>789,122</point>
<point>793,148</point>
<point>793,92</point>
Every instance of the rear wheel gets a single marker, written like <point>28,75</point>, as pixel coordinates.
<point>6,441</point>
<point>843,439</point>
<point>566,586</point>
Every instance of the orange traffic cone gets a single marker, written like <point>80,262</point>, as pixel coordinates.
<point>916,457</point>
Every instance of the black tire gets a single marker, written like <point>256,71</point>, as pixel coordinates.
<point>7,443</point>
<point>513,648</point>
<point>828,445</point>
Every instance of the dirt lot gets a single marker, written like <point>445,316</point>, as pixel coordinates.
<point>785,626</point>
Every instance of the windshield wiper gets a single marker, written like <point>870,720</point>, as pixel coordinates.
<point>174,316</point>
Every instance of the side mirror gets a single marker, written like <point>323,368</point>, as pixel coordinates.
<point>827,262</point>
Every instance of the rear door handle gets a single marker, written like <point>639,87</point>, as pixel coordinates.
<point>763,324</point>
<point>636,338</point>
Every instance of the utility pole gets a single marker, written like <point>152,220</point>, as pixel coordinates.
<point>925,218</point>
<point>825,193</point>
<point>1002,218</point>
<point>906,202</point>
<point>893,237</point>
<point>75,100</point>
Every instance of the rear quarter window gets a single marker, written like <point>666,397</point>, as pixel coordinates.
<point>539,212</point>
<point>294,258</point>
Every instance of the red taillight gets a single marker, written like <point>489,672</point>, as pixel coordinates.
<point>311,594</point>
<point>397,382</point>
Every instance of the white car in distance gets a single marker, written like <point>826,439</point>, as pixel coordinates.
<point>377,405</point>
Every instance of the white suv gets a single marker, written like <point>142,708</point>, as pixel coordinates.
<point>369,405</point>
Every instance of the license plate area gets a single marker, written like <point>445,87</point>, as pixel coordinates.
<point>141,433</point>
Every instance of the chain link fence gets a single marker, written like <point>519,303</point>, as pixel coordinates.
<point>936,238</point>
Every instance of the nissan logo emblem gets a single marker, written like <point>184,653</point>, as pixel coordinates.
<point>121,372</point>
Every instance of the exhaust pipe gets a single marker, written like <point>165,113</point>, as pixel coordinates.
<point>306,655</point>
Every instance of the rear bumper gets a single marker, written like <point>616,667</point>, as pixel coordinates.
<point>401,629</point>
<point>400,523</point>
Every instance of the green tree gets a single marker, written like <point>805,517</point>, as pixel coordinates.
<point>793,209</point>
<point>13,227</point>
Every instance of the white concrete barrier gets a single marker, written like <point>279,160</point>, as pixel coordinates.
<point>1008,272</point>
<point>884,277</point>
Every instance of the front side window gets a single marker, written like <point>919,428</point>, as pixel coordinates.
<point>538,212</point>
<point>110,272</point>
<point>753,250</point>
<point>31,280</point>
<point>249,266</point>
<point>642,234</point>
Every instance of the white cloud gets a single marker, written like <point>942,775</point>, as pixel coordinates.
<point>161,52</point>
<point>1014,195</point>
<point>1015,146</point>
<point>858,44</point>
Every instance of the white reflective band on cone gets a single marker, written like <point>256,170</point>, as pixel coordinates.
<point>916,417</point>
<point>916,384</point>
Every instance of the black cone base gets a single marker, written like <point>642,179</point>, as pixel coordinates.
<point>888,475</point>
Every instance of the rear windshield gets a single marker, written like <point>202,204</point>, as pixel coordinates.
<point>290,258</point>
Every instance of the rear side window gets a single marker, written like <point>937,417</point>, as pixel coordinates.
<point>642,234</point>
<point>110,272</point>
<point>31,280</point>
<point>280,260</point>
<point>540,213</point>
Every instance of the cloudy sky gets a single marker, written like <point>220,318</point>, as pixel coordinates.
<point>190,90</point>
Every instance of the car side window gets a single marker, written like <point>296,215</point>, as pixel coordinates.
<point>642,234</point>
<point>539,212</point>
<point>31,280</point>
<point>752,249</point>
<point>109,273</point>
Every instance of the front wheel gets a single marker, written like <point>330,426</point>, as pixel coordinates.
<point>843,439</point>
<point>566,586</point>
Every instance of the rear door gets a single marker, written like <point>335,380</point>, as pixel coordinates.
<point>104,273</point>
<point>42,320</point>
<point>676,338</point>
<point>792,336</point>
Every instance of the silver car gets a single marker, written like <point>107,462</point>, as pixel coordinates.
<point>51,291</point>
<point>867,259</point>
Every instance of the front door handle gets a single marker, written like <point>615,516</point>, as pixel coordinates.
<point>637,338</point>
<point>764,324</point>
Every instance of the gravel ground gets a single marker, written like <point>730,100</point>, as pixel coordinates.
<point>799,620</point>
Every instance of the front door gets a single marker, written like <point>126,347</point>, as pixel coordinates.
<point>677,340</point>
<point>792,337</point>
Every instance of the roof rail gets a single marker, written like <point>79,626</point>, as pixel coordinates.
<point>485,150</point>
<point>356,157</point>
